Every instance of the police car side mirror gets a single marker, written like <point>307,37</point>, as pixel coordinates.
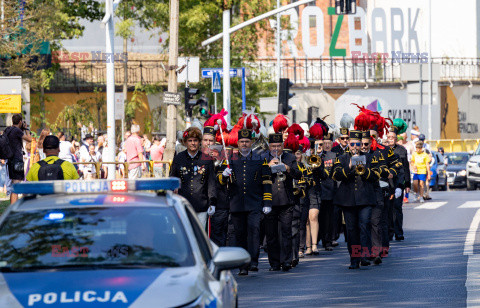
<point>228,258</point>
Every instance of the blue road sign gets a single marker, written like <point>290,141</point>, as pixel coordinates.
<point>208,72</point>
<point>216,86</point>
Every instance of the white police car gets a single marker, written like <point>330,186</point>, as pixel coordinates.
<point>98,244</point>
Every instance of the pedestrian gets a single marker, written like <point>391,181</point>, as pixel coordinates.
<point>134,152</point>
<point>122,158</point>
<point>90,169</point>
<point>249,177</point>
<point>67,149</point>
<point>16,134</point>
<point>356,196</point>
<point>84,148</point>
<point>156,153</point>
<point>196,174</point>
<point>52,167</point>
<point>421,171</point>
<point>147,144</point>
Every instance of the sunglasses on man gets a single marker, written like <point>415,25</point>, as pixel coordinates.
<point>344,138</point>
<point>366,144</point>
<point>353,144</point>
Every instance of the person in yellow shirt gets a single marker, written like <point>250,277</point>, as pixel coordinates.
<point>421,170</point>
<point>52,168</point>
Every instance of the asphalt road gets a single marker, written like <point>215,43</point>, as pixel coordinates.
<point>428,269</point>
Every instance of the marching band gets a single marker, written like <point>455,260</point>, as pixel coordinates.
<point>299,187</point>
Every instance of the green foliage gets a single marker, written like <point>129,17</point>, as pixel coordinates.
<point>68,118</point>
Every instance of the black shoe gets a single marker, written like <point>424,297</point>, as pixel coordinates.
<point>243,272</point>
<point>354,265</point>
<point>286,267</point>
<point>365,263</point>
<point>253,268</point>
<point>334,243</point>
<point>274,269</point>
<point>399,238</point>
<point>329,248</point>
<point>378,260</point>
<point>295,262</point>
<point>428,198</point>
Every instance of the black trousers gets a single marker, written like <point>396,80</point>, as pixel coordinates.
<point>397,216</point>
<point>357,220</point>
<point>279,244</point>
<point>247,227</point>
<point>305,207</point>
<point>219,227</point>
<point>380,236</point>
<point>297,214</point>
<point>337,222</point>
<point>326,221</point>
<point>231,233</point>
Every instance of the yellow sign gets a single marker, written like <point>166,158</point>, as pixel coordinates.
<point>10,103</point>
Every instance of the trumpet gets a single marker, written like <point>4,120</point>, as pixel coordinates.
<point>360,169</point>
<point>314,161</point>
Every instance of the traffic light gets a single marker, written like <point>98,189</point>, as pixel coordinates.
<point>343,7</point>
<point>191,102</point>
<point>285,95</point>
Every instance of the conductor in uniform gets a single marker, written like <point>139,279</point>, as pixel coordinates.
<point>356,196</point>
<point>196,173</point>
<point>280,218</point>
<point>250,191</point>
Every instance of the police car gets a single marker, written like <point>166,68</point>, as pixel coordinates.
<point>104,243</point>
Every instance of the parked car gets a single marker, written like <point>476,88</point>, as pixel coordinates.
<point>457,168</point>
<point>438,175</point>
<point>473,170</point>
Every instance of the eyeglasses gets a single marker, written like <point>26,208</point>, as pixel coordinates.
<point>320,144</point>
<point>366,144</point>
<point>355,144</point>
<point>344,138</point>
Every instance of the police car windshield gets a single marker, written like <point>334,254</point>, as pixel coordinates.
<point>123,237</point>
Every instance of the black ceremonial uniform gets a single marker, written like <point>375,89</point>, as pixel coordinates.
<point>300,212</point>
<point>198,179</point>
<point>219,220</point>
<point>404,182</point>
<point>250,190</point>
<point>280,249</point>
<point>328,188</point>
<point>339,150</point>
<point>356,196</point>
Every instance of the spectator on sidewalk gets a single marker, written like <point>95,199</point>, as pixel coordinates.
<point>84,148</point>
<point>134,152</point>
<point>156,152</point>
<point>52,167</point>
<point>16,134</point>
<point>66,148</point>
<point>421,171</point>
<point>89,170</point>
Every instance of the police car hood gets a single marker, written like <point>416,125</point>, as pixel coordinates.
<point>101,288</point>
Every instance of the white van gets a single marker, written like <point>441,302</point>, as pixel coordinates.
<point>473,170</point>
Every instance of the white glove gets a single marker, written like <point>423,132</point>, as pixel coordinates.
<point>227,172</point>
<point>266,210</point>
<point>211,210</point>
<point>398,192</point>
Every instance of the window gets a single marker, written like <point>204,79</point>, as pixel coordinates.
<point>202,240</point>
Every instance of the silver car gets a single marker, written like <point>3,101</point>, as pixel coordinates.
<point>97,243</point>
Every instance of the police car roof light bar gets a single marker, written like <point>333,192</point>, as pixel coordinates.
<point>94,186</point>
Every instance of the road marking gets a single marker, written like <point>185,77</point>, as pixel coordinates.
<point>472,283</point>
<point>470,205</point>
<point>430,205</point>
<point>470,239</point>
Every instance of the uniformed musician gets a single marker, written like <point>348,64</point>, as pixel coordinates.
<point>197,175</point>
<point>342,145</point>
<point>356,196</point>
<point>250,190</point>
<point>280,218</point>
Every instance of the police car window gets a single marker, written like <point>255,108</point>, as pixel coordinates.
<point>127,237</point>
<point>203,244</point>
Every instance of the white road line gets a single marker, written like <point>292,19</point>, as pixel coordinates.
<point>472,283</point>
<point>470,205</point>
<point>470,239</point>
<point>430,205</point>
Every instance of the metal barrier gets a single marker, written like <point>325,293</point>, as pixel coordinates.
<point>455,145</point>
<point>165,167</point>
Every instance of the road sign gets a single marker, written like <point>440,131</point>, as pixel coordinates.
<point>192,69</point>
<point>119,106</point>
<point>171,98</point>
<point>208,72</point>
<point>216,86</point>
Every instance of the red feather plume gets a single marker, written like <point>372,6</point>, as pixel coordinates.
<point>297,130</point>
<point>213,120</point>
<point>280,123</point>
<point>305,143</point>
<point>316,131</point>
<point>291,142</point>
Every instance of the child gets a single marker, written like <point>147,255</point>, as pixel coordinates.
<point>421,170</point>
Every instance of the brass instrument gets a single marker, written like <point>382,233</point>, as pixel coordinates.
<point>360,169</point>
<point>314,161</point>
<point>299,188</point>
<point>280,175</point>
<point>359,162</point>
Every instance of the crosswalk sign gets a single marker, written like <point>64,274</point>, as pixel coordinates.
<point>216,86</point>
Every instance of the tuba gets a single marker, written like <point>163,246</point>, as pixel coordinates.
<point>314,161</point>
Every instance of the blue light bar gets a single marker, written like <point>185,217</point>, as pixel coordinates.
<point>95,186</point>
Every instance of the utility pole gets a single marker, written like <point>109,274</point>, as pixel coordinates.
<point>430,63</point>
<point>279,51</point>
<point>172,80</point>
<point>226,64</point>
